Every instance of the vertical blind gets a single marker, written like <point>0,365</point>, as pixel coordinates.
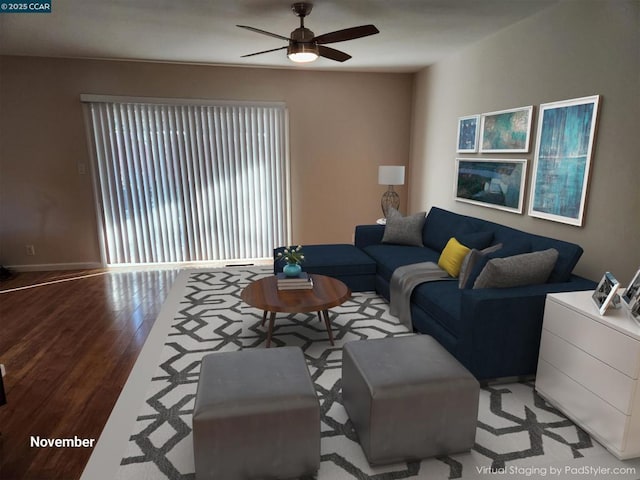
<point>184,183</point>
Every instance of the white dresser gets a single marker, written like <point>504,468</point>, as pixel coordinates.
<point>588,368</point>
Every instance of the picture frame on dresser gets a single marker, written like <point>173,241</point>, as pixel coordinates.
<point>634,309</point>
<point>633,289</point>
<point>605,292</point>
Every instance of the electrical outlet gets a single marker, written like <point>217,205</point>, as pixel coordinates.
<point>31,250</point>
<point>82,168</point>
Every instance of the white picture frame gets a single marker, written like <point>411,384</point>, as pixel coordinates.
<point>604,294</point>
<point>468,133</point>
<point>633,289</point>
<point>506,131</point>
<point>491,182</point>
<point>562,160</point>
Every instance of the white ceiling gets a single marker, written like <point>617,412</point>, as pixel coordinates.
<point>413,33</point>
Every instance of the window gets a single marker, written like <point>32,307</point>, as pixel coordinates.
<point>187,182</point>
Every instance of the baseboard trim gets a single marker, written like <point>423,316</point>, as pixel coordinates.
<point>47,267</point>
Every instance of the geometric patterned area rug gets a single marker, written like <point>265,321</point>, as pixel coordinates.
<point>518,435</point>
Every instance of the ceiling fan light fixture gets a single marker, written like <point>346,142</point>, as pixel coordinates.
<point>302,53</point>
<point>305,47</point>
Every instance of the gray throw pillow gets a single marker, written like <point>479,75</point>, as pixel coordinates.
<point>519,270</point>
<point>403,230</point>
<point>471,260</point>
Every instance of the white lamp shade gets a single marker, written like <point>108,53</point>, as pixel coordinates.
<point>390,175</point>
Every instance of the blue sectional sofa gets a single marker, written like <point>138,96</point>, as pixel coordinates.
<point>494,332</point>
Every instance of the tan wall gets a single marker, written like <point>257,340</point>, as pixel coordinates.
<point>571,50</point>
<point>342,126</point>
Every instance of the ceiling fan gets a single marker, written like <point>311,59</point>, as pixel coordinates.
<point>304,46</point>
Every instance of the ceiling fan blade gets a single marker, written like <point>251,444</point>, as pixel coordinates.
<point>347,34</point>
<point>264,32</point>
<point>333,54</point>
<point>264,51</point>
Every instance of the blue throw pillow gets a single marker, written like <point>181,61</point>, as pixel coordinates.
<point>470,262</point>
<point>477,240</point>
<point>439,227</point>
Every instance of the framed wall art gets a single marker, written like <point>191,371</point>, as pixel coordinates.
<point>494,183</point>
<point>468,128</point>
<point>562,160</point>
<point>506,131</point>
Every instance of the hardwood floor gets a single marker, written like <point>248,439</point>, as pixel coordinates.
<point>68,348</point>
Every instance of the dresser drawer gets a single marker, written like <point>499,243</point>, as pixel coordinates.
<point>600,419</point>
<point>612,347</point>
<point>606,382</point>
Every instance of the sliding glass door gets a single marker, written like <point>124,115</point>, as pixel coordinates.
<point>188,182</point>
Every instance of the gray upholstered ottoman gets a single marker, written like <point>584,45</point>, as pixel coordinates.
<point>256,416</point>
<point>408,398</point>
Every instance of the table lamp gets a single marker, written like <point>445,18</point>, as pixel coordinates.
<point>390,175</point>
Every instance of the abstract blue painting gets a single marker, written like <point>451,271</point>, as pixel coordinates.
<point>566,133</point>
<point>495,183</point>
<point>468,134</point>
<point>506,131</point>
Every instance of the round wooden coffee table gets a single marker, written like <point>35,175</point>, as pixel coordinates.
<point>327,292</point>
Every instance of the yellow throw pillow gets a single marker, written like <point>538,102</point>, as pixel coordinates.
<point>452,256</point>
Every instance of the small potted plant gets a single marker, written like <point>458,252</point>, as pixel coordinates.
<point>293,257</point>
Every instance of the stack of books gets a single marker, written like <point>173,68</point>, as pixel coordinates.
<point>301,282</point>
